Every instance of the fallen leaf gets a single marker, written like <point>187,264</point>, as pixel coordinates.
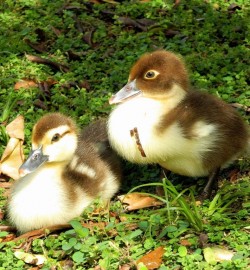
<point>217,254</point>
<point>25,84</point>
<point>240,106</point>
<point>66,265</point>
<point>203,239</point>
<point>125,267</point>
<point>153,259</point>
<point>40,104</point>
<point>126,21</point>
<point>8,237</point>
<point>177,3</point>
<point>233,7</point>
<point>88,36</point>
<point>146,22</point>
<point>138,200</point>
<point>35,259</point>
<point>39,47</point>
<point>56,31</point>
<point>185,242</point>
<point>15,129</point>
<point>171,33</point>
<point>233,175</point>
<point>13,156</point>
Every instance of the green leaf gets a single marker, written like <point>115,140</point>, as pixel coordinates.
<point>141,266</point>
<point>79,229</point>
<point>135,234</point>
<point>3,234</point>
<point>70,244</point>
<point>171,229</point>
<point>78,257</point>
<point>182,250</point>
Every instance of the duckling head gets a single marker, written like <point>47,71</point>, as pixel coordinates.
<point>157,75</point>
<point>54,139</point>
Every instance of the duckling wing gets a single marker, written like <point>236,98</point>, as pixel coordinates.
<point>95,138</point>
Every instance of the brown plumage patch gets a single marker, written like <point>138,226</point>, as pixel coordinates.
<point>93,151</point>
<point>231,131</point>
<point>48,122</point>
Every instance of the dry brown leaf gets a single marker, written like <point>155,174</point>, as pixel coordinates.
<point>15,129</point>
<point>138,200</point>
<point>25,84</point>
<point>65,265</point>
<point>185,242</point>
<point>8,237</point>
<point>56,31</point>
<point>125,267</point>
<point>13,156</point>
<point>153,259</point>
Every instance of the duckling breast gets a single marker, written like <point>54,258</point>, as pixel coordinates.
<point>41,199</point>
<point>139,113</point>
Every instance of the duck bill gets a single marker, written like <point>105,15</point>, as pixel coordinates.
<point>35,160</point>
<point>127,92</point>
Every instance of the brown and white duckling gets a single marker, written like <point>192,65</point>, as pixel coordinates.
<point>64,173</point>
<point>160,120</point>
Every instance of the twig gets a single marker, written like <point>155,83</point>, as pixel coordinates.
<point>42,232</point>
<point>40,60</point>
<point>134,133</point>
<point>6,228</point>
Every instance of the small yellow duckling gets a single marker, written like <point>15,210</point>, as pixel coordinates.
<point>159,119</point>
<point>63,174</point>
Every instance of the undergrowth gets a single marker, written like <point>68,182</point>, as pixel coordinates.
<point>95,44</point>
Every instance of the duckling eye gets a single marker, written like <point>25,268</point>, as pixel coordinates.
<point>56,137</point>
<point>151,74</point>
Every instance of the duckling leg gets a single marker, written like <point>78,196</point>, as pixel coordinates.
<point>106,205</point>
<point>165,173</point>
<point>211,184</point>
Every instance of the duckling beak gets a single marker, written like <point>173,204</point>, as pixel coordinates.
<point>36,159</point>
<point>128,91</point>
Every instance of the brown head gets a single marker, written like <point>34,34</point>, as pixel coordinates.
<point>54,139</point>
<point>154,75</point>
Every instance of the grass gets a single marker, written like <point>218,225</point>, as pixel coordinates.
<point>98,43</point>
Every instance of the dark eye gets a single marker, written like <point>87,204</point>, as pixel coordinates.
<point>151,74</point>
<point>56,137</point>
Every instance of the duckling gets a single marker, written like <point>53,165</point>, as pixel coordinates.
<point>159,119</point>
<point>63,174</point>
